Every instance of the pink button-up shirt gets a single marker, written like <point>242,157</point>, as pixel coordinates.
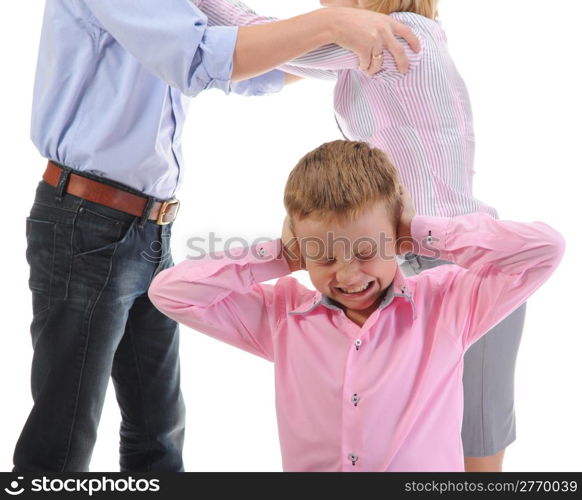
<point>386,396</point>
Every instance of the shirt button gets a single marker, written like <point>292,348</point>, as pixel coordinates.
<point>355,399</point>
<point>358,343</point>
<point>261,251</point>
<point>352,457</point>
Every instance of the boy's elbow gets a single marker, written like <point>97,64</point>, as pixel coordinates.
<point>554,247</point>
<point>154,294</point>
<point>558,246</point>
<point>156,291</point>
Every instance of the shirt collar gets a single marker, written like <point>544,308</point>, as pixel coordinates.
<point>400,287</point>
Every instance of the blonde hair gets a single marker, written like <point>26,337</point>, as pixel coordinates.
<point>426,8</point>
<point>339,180</point>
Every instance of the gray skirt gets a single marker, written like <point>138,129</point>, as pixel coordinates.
<point>488,377</point>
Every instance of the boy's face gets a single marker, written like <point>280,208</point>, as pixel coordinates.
<point>352,263</point>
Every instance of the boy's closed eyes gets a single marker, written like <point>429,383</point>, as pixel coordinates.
<point>352,262</point>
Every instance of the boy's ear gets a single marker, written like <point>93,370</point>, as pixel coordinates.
<point>292,227</point>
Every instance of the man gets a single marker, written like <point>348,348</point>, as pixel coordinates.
<point>108,112</point>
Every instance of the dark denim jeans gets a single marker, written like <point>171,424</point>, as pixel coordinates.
<point>90,269</point>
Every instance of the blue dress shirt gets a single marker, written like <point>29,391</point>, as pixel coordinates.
<point>111,82</point>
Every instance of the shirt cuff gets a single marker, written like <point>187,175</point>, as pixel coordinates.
<point>267,261</point>
<point>273,81</point>
<point>267,83</point>
<point>429,235</point>
<point>218,46</point>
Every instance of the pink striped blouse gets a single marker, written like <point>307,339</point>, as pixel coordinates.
<point>422,119</point>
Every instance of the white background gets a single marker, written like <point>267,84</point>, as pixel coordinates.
<point>521,61</point>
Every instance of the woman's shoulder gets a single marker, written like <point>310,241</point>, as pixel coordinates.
<point>421,25</point>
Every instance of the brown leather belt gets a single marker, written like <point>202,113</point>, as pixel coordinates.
<point>98,192</point>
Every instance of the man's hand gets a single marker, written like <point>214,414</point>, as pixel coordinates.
<point>368,33</point>
<point>290,247</point>
<point>263,47</point>
<point>407,213</point>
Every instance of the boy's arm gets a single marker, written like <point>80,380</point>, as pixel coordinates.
<point>221,295</point>
<point>504,263</point>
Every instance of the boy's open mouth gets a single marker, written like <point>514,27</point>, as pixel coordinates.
<point>356,291</point>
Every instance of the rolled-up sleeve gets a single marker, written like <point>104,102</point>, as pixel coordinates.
<point>268,83</point>
<point>172,39</point>
<point>236,13</point>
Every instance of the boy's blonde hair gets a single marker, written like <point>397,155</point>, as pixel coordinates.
<point>339,180</point>
<point>426,8</point>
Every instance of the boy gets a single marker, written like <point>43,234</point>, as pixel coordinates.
<point>368,368</point>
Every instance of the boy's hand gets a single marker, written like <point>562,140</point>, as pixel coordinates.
<point>290,247</point>
<point>407,213</point>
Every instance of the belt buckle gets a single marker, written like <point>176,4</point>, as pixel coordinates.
<point>164,209</point>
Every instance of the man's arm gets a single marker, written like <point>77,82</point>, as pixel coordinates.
<point>173,40</point>
<point>236,13</point>
<point>222,296</point>
<point>267,83</point>
<point>324,61</point>
<point>289,78</point>
<point>504,263</point>
<point>268,46</point>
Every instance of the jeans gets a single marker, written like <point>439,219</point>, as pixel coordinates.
<point>90,269</point>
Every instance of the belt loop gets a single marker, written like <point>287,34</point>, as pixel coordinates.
<point>63,181</point>
<point>146,211</point>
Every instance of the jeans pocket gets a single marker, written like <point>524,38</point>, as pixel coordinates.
<point>40,255</point>
<point>94,232</point>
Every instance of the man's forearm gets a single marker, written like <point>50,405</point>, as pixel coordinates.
<point>289,78</point>
<point>264,47</point>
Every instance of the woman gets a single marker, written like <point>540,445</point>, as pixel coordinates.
<point>422,119</point>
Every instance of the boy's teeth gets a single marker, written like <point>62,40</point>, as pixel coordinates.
<point>355,290</point>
